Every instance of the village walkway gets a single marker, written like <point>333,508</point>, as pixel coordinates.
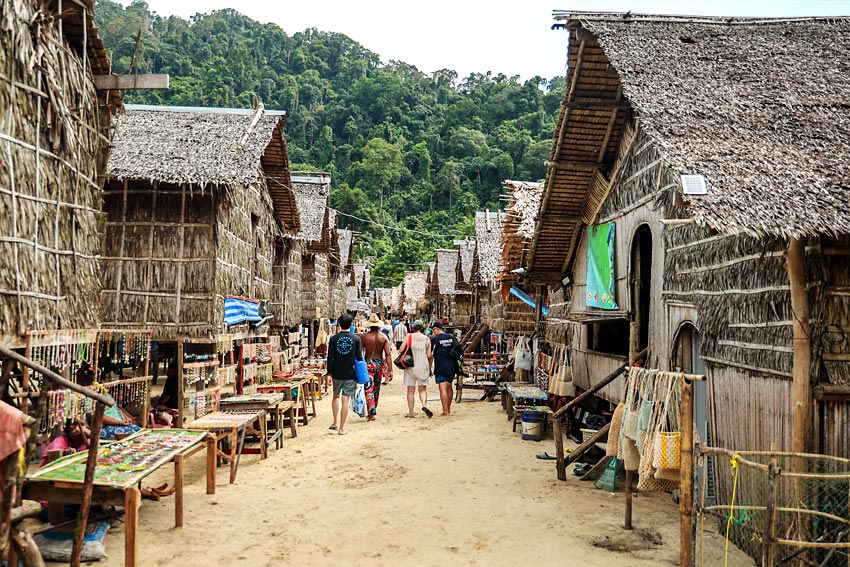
<point>458,491</point>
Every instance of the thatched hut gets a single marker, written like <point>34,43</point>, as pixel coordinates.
<point>189,216</point>
<point>739,272</point>
<point>445,280</point>
<point>517,233</point>
<point>488,262</point>
<point>312,195</point>
<point>464,284</point>
<point>54,141</point>
<point>413,292</point>
<point>360,279</point>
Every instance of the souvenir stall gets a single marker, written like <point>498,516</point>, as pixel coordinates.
<point>123,360</point>
<point>206,370</point>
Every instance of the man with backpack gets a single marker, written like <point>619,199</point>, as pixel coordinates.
<point>447,355</point>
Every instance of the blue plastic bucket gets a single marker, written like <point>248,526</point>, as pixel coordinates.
<point>532,425</point>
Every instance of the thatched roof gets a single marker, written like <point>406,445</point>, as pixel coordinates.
<point>206,146</point>
<point>520,217</point>
<point>360,278</point>
<point>760,107</point>
<point>413,289</point>
<point>466,255</point>
<point>395,298</point>
<point>346,242</point>
<point>446,271</point>
<point>312,195</point>
<point>384,297</point>
<point>488,244</point>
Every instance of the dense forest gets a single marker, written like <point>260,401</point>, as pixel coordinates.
<point>412,156</point>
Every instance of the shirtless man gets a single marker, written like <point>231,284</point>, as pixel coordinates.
<point>376,349</point>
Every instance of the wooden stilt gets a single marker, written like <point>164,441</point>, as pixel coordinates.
<point>212,453</point>
<point>801,391</point>
<point>132,498</point>
<point>686,474</point>
<point>630,481</point>
<point>558,431</point>
<point>88,486</point>
<point>178,491</point>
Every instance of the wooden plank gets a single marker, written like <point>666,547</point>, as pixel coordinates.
<point>132,499</point>
<point>147,81</point>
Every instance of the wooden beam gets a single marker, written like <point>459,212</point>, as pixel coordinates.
<point>569,163</point>
<point>146,82</point>
<point>560,218</point>
<point>608,104</point>
<point>801,393</point>
<point>832,392</point>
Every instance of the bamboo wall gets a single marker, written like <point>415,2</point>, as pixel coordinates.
<point>51,229</point>
<point>158,259</point>
<point>288,276</point>
<point>315,291</point>
<point>245,235</point>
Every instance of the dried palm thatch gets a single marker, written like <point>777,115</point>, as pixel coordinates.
<point>466,256</point>
<point>312,193</point>
<point>758,106</point>
<point>293,251</point>
<point>346,255</point>
<point>447,260</point>
<point>396,298</point>
<point>488,239</point>
<point>360,279</point>
<point>53,148</point>
<point>315,288</point>
<point>520,216</point>
<point>430,282</point>
<point>177,245</point>
<point>413,289</point>
<point>384,296</point>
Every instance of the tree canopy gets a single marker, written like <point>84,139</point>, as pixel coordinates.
<point>412,155</point>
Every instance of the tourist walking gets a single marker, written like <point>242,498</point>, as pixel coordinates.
<point>444,347</point>
<point>376,346</point>
<point>343,348</point>
<point>416,377</point>
<point>400,334</point>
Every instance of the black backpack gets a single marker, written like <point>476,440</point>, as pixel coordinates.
<point>456,353</point>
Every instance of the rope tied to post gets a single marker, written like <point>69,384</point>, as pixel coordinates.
<point>733,469</point>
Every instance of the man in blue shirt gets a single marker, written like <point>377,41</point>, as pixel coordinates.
<point>343,348</point>
<point>443,345</point>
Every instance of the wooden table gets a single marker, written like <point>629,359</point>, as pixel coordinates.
<point>275,405</point>
<point>120,469</point>
<point>232,426</point>
<point>479,378</point>
<point>285,387</point>
<point>521,393</point>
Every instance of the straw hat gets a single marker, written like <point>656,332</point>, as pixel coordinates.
<point>374,321</point>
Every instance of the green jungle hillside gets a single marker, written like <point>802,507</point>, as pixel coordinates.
<point>413,156</point>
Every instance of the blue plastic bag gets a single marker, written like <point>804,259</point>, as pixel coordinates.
<point>358,401</point>
<point>361,370</point>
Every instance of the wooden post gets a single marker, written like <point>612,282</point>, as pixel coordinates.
<point>686,472</point>
<point>132,498</point>
<point>25,376</point>
<point>88,486</point>
<point>801,392</point>
<point>212,453</point>
<point>181,390</point>
<point>560,463</point>
<point>627,521</point>
<point>769,517</point>
<point>178,491</point>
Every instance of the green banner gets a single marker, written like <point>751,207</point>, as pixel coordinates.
<point>600,266</point>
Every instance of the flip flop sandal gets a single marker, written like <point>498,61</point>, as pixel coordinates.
<point>428,412</point>
<point>546,456</point>
<point>332,428</point>
<point>343,433</point>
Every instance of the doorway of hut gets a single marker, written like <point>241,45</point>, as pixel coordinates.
<point>686,358</point>
<point>641,280</point>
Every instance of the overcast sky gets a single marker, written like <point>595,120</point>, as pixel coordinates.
<point>503,36</point>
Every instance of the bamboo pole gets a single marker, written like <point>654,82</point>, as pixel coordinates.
<point>560,463</point>
<point>801,392</point>
<point>627,521</point>
<point>770,515</point>
<point>88,486</point>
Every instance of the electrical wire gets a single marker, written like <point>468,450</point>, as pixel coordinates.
<point>402,229</point>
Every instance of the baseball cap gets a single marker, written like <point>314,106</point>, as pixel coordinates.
<point>437,325</point>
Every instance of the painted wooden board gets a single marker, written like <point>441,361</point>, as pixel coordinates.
<point>124,463</point>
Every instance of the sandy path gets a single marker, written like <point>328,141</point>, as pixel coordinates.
<point>463,490</point>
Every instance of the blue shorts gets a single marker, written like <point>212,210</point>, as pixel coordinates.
<point>442,379</point>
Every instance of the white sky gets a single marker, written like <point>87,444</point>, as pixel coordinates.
<point>503,36</point>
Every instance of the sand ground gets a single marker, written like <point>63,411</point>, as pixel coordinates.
<point>463,490</point>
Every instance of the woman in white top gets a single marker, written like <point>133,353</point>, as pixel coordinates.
<point>417,376</point>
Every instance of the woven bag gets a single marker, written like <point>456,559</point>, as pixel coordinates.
<point>614,431</point>
<point>631,455</point>
<point>666,450</point>
<point>647,480</point>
